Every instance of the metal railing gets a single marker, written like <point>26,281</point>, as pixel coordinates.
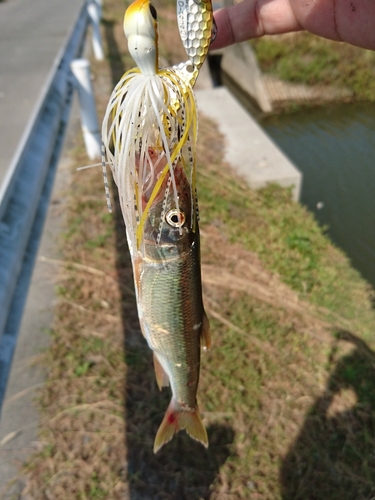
<point>26,190</point>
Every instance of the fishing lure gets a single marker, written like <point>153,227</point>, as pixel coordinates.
<point>149,137</point>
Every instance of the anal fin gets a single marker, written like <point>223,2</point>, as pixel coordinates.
<point>161,377</point>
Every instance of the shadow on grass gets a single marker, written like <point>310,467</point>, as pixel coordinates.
<point>334,454</point>
<point>183,469</point>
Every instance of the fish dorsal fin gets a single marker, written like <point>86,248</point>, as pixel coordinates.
<point>161,377</point>
<point>205,333</point>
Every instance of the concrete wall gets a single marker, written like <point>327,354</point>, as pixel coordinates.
<point>248,148</point>
<point>240,64</point>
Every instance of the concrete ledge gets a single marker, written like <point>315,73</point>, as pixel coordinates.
<point>248,148</point>
<point>240,64</point>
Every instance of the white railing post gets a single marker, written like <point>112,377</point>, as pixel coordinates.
<point>89,118</point>
<point>99,5</point>
<point>93,9</point>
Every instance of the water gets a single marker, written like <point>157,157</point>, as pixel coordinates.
<point>334,148</point>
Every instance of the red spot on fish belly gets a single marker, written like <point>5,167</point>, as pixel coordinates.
<point>171,418</point>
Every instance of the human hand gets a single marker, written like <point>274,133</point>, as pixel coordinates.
<point>351,21</point>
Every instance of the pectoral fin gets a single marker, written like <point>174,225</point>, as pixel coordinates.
<point>161,377</point>
<point>205,333</point>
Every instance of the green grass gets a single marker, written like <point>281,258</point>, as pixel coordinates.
<point>289,242</point>
<point>308,59</point>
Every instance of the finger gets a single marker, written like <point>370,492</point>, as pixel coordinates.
<point>236,24</point>
<point>251,19</point>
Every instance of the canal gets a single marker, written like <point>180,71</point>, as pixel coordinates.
<point>334,147</point>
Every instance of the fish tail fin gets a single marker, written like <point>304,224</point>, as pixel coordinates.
<point>176,419</point>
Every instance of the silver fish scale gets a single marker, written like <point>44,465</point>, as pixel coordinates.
<point>195,27</point>
<point>170,309</point>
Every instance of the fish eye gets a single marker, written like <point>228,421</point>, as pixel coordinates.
<point>153,12</point>
<point>173,218</point>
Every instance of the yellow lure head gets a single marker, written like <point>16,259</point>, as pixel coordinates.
<point>141,30</point>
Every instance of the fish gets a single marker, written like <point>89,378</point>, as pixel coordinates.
<point>154,164</point>
<point>149,135</point>
<point>170,306</point>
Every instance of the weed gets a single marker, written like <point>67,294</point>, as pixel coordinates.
<point>308,59</point>
<point>82,369</point>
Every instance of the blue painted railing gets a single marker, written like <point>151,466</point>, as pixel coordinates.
<point>25,192</point>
